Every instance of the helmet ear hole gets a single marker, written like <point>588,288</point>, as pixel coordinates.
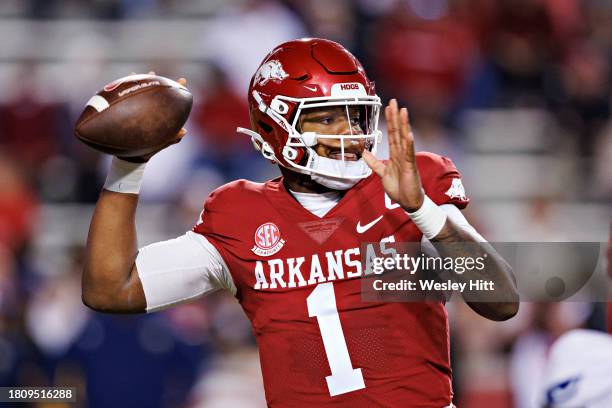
<point>264,126</point>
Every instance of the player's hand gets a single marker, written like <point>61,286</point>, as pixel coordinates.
<point>399,176</point>
<point>179,136</point>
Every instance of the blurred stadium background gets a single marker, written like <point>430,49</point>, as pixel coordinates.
<point>516,92</point>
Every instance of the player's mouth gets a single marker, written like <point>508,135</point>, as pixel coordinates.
<point>348,156</point>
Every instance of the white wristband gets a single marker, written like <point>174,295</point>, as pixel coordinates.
<point>124,176</point>
<point>429,218</point>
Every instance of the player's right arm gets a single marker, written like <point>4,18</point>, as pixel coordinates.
<point>111,282</point>
<point>118,278</point>
<point>110,277</point>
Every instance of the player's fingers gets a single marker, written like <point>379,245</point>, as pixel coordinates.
<point>180,135</point>
<point>391,133</point>
<point>394,112</point>
<point>376,165</point>
<point>175,141</point>
<point>182,81</point>
<point>407,138</point>
<point>396,125</point>
<point>408,120</point>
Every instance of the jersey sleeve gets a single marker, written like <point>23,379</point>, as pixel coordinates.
<point>441,180</point>
<point>181,269</point>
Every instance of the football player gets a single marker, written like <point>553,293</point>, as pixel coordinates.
<point>290,249</point>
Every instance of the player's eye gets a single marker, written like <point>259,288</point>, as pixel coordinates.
<point>326,120</point>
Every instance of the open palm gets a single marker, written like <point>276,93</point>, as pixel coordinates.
<point>399,176</point>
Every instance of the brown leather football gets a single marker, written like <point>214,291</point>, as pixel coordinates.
<point>134,115</point>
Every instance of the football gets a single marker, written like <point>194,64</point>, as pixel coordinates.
<point>134,115</point>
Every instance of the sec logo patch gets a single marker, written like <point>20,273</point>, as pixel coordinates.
<point>268,240</point>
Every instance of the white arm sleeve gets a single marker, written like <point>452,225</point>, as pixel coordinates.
<point>181,269</point>
<point>454,214</point>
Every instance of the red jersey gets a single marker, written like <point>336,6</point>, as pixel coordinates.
<point>298,280</point>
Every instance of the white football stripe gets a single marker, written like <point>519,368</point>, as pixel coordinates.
<point>98,103</point>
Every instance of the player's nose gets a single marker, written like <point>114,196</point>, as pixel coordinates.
<point>352,143</point>
<point>348,129</point>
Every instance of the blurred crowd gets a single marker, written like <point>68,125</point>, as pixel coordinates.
<point>441,58</point>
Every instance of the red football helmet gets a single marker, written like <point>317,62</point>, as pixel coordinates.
<point>304,74</point>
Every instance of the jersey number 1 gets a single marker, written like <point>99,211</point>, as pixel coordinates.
<point>322,305</point>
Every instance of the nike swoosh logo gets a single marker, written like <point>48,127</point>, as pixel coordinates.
<point>313,89</point>
<point>361,229</point>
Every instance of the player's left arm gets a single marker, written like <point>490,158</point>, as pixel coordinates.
<point>401,181</point>
<point>458,239</point>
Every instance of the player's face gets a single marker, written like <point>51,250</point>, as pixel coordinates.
<point>336,120</point>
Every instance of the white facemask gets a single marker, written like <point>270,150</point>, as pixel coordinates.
<point>356,170</point>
